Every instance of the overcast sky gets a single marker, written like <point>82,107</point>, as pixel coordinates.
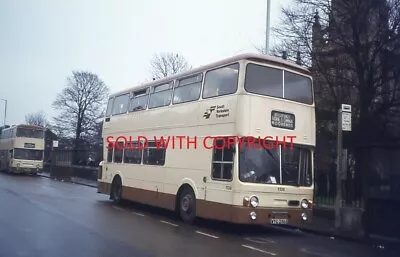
<point>42,41</point>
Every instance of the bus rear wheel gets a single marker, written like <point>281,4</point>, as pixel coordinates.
<point>187,206</point>
<point>116,190</point>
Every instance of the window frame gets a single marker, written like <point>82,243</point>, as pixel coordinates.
<point>310,152</point>
<point>155,148</point>
<point>152,92</point>
<point>123,151</point>
<point>177,85</point>
<point>300,75</point>
<point>110,151</point>
<point>217,68</point>
<point>127,107</point>
<point>222,162</point>
<point>133,96</point>
<point>283,70</point>
<point>141,151</point>
<point>112,107</point>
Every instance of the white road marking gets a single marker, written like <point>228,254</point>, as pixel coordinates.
<point>260,240</point>
<point>117,208</point>
<point>169,223</point>
<point>139,214</point>
<point>205,234</point>
<point>259,250</point>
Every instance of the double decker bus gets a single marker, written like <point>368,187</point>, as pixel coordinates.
<point>261,101</point>
<point>22,149</point>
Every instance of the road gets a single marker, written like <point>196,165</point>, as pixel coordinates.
<point>43,217</point>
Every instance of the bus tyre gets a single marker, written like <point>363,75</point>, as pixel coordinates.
<point>187,206</point>
<point>116,190</point>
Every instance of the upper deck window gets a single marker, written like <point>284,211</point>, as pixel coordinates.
<point>298,88</point>
<point>161,95</point>
<point>28,132</point>
<point>188,89</point>
<point>138,101</point>
<point>120,104</point>
<point>7,134</point>
<point>109,107</point>
<point>221,81</point>
<point>278,83</point>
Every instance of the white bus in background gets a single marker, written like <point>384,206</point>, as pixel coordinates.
<point>22,149</point>
<point>247,95</point>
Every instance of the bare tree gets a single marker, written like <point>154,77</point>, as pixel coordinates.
<point>80,104</point>
<point>38,119</point>
<point>166,64</point>
<point>351,48</point>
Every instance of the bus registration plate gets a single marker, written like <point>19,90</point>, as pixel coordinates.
<point>279,221</point>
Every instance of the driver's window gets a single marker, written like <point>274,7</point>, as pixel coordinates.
<point>11,154</point>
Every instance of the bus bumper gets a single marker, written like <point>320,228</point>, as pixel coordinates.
<point>254,216</point>
<point>25,170</point>
<point>271,216</point>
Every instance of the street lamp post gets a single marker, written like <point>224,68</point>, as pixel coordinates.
<point>267,28</point>
<point>5,111</point>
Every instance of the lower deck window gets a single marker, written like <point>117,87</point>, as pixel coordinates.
<point>153,155</point>
<point>133,153</point>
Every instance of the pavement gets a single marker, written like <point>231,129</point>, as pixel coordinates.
<point>75,180</point>
<point>45,217</point>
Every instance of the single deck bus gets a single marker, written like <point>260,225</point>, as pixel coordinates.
<point>22,148</point>
<point>247,96</point>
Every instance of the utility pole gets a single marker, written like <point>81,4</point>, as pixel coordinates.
<point>5,111</point>
<point>344,124</point>
<point>267,27</point>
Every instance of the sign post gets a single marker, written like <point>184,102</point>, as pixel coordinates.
<point>344,124</point>
<point>53,145</point>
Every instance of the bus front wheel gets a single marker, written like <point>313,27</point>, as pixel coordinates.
<point>187,205</point>
<point>116,190</point>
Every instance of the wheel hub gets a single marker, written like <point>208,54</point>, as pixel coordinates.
<point>185,203</point>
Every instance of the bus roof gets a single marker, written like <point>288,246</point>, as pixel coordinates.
<point>246,56</point>
<point>25,126</point>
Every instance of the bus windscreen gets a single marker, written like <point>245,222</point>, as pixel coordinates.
<point>290,166</point>
<point>28,154</point>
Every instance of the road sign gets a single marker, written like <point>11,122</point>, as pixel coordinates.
<point>346,117</point>
<point>55,143</point>
<point>346,121</point>
<point>346,108</point>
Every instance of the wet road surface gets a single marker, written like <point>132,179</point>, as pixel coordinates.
<point>43,217</point>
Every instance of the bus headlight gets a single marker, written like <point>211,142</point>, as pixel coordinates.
<point>254,201</point>
<point>253,215</point>
<point>304,216</point>
<point>304,204</point>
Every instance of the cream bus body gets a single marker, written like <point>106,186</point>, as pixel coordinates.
<point>193,173</point>
<point>21,149</point>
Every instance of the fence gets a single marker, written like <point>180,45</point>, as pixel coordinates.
<point>65,164</point>
<point>381,166</point>
<point>374,186</point>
